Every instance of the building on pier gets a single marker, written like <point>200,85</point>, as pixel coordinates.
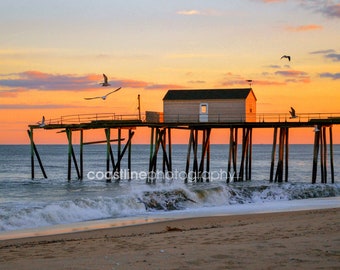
<point>210,105</point>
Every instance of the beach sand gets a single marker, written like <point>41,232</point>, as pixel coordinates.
<point>290,240</point>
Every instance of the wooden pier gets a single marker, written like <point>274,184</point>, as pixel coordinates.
<point>125,126</point>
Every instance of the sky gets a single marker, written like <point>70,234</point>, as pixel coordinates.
<point>53,55</point>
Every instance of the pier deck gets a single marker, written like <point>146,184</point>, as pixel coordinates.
<point>160,139</point>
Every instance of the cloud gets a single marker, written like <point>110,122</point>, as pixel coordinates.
<point>332,10</point>
<point>254,82</point>
<point>291,73</point>
<point>274,66</point>
<point>334,76</point>
<point>303,28</point>
<point>41,81</point>
<point>164,86</point>
<point>37,80</point>
<point>273,1</point>
<point>335,57</point>
<point>323,51</point>
<point>12,93</point>
<point>188,12</point>
<point>329,54</point>
<point>195,12</point>
<point>36,106</point>
<point>294,76</point>
<point>197,82</point>
<point>328,8</point>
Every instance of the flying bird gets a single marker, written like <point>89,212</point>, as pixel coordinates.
<point>292,113</point>
<point>286,56</point>
<point>105,83</point>
<point>42,123</point>
<point>105,96</point>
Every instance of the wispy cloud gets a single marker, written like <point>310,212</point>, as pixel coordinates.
<point>335,57</point>
<point>331,10</point>
<point>323,51</point>
<point>164,86</point>
<point>304,28</point>
<point>254,83</point>
<point>44,81</point>
<point>294,76</point>
<point>329,54</point>
<point>36,106</point>
<point>231,79</point>
<point>273,1</point>
<point>193,12</point>
<point>334,76</point>
<point>36,80</point>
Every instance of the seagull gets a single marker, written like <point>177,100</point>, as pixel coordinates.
<point>42,123</point>
<point>285,56</point>
<point>316,128</point>
<point>105,83</point>
<point>104,97</point>
<point>292,113</point>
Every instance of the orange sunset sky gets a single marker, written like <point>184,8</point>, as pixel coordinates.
<point>53,54</point>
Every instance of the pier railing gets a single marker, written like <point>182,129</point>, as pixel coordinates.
<point>192,118</point>
<point>88,118</point>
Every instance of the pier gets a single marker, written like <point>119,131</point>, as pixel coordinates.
<point>197,160</point>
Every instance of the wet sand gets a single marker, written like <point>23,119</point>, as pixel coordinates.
<point>288,240</point>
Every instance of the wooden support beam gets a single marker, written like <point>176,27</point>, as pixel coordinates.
<point>195,162</point>
<point>315,153</point>
<point>170,150</point>
<point>324,155</point>
<point>250,155</point>
<point>81,152</point>
<point>129,153</point>
<point>271,177</point>
<point>97,142</point>
<point>286,153</point>
<point>235,145</point>
<point>279,169</point>
<point>120,156</point>
<point>71,156</point>
<point>191,138</point>
<point>331,153</point>
<point>245,141</point>
<point>231,142</point>
<point>205,146</point>
<point>34,150</point>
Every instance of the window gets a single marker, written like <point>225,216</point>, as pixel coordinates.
<point>204,108</point>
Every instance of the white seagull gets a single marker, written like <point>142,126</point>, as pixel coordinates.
<point>105,83</point>
<point>42,123</point>
<point>105,96</point>
<point>292,113</point>
<point>286,56</point>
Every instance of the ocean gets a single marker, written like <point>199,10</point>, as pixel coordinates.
<point>27,203</point>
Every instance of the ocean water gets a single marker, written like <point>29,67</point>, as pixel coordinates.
<point>36,203</point>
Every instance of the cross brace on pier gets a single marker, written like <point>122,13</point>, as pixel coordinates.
<point>199,136</point>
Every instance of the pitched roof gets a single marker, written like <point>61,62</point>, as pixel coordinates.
<point>196,94</point>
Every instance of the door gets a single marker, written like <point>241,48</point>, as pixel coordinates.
<point>203,115</point>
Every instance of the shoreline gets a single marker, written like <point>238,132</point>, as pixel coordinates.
<point>152,217</point>
<point>303,239</point>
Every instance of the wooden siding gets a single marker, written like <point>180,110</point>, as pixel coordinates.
<point>232,109</point>
<point>219,110</point>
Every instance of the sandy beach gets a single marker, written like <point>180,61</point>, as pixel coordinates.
<point>290,240</point>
